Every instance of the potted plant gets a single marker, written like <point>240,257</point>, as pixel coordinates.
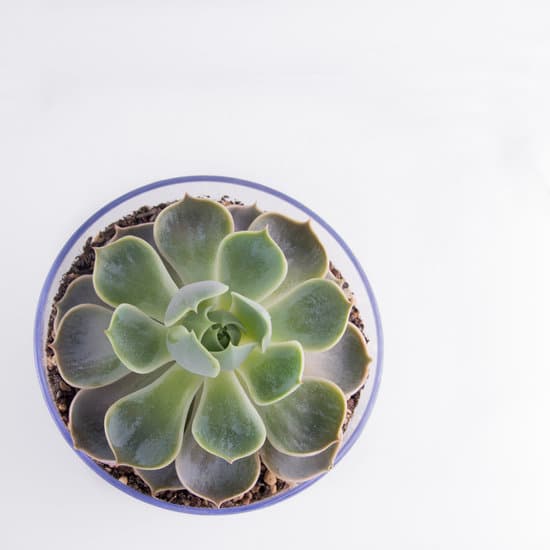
<point>204,353</point>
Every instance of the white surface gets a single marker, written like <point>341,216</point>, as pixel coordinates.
<point>420,130</point>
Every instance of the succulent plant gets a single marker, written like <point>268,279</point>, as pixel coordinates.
<point>205,341</point>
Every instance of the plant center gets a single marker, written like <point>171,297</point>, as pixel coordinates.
<point>219,336</point>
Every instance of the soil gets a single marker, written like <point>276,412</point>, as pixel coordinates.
<point>63,393</point>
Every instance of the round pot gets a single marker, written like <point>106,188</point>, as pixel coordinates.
<point>247,192</point>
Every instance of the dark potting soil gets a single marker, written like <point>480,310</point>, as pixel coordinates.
<point>63,393</point>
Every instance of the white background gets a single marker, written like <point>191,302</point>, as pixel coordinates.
<point>419,130</point>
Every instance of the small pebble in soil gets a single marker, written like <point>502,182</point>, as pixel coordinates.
<point>270,478</point>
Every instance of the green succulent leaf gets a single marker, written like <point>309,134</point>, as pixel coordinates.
<point>188,234</point>
<point>226,423</point>
<point>274,374</point>
<point>346,364</point>
<point>212,477</point>
<point>145,231</point>
<point>243,216</point>
<point>315,313</point>
<point>163,479</point>
<point>298,468</point>
<point>189,297</point>
<point>88,409</point>
<point>80,291</point>
<point>304,253</point>
<point>129,271</point>
<point>251,263</point>
<point>198,322</point>
<point>145,428</point>
<point>308,420</point>
<point>188,352</point>
<point>232,356</point>
<point>84,355</point>
<point>141,231</point>
<point>254,318</point>
<point>223,317</point>
<point>234,334</point>
<point>210,340</point>
<point>138,341</point>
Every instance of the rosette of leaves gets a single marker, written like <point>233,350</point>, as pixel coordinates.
<point>205,341</point>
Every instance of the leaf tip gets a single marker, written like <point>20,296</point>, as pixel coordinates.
<point>118,231</point>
